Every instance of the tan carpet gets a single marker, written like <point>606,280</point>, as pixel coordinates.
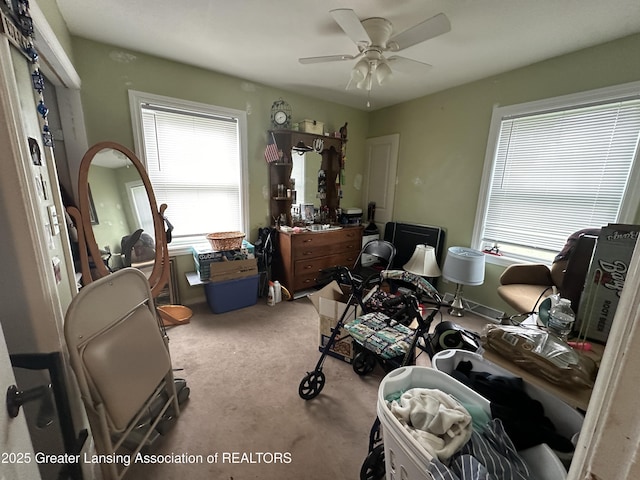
<point>244,368</point>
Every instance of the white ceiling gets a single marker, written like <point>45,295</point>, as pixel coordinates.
<point>261,40</point>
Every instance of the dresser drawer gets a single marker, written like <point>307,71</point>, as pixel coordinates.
<point>304,282</point>
<point>325,238</point>
<point>314,249</point>
<point>304,255</point>
<point>303,267</point>
<point>306,272</point>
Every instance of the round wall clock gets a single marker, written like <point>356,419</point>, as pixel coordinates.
<point>281,114</point>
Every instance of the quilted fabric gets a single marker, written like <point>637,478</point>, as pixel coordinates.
<point>379,334</point>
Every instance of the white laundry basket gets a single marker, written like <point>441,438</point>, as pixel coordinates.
<point>406,459</point>
<point>566,419</point>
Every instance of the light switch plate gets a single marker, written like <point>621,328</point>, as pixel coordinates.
<point>54,223</point>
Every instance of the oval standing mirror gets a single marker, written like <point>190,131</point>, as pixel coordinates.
<point>121,223</point>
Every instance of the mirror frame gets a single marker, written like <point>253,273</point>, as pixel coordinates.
<point>160,273</point>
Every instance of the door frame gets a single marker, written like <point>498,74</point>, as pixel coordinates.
<point>393,141</point>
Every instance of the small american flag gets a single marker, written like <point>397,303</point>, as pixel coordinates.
<point>271,153</point>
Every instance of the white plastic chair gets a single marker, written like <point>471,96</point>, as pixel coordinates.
<point>121,360</point>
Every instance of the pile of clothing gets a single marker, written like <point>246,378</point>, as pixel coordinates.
<point>463,441</point>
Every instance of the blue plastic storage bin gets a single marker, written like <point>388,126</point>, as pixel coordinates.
<point>232,294</point>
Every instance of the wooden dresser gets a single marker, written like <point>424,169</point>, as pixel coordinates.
<point>304,255</point>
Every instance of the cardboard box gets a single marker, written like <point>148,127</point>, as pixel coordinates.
<point>342,347</point>
<point>203,253</point>
<point>311,126</point>
<point>331,291</point>
<point>204,256</point>
<point>330,303</point>
<point>605,279</point>
<point>222,271</point>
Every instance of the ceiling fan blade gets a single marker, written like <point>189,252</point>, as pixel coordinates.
<point>407,65</point>
<point>430,28</point>
<point>350,23</point>
<point>326,58</point>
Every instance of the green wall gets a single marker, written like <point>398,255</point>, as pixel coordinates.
<point>109,202</point>
<point>108,73</point>
<point>443,138</point>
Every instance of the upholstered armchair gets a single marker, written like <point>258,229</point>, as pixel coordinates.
<point>525,286</point>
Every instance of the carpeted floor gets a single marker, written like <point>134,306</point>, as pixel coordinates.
<point>244,368</point>
<point>245,419</point>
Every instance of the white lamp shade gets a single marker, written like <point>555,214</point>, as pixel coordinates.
<point>383,73</point>
<point>360,71</point>
<point>464,266</point>
<point>423,262</point>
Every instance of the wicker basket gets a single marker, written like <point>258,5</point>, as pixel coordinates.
<point>174,314</point>
<point>225,240</point>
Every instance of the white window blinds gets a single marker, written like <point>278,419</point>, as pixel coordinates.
<point>559,172</point>
<point>193,162</point>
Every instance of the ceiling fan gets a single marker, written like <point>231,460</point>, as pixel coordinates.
<point>374,36</point>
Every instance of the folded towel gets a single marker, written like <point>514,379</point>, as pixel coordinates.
<point>435,419</point>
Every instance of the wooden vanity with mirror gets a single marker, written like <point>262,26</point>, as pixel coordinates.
<point>304,254</point>
<point>303,167</point>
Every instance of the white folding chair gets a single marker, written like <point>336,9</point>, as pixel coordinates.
<point>121,360</point>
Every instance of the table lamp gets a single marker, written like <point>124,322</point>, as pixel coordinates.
<point>423,262</point>
<point>463,266</point>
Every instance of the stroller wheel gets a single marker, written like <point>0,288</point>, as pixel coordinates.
<point>311,385</point>
<point>364,363</point>
<point>373,467</point>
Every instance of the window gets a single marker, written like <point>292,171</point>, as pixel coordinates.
<point>196,161</point>
<point>555,167</point>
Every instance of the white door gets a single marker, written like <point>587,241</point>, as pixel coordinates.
<point>17,460</point>
<point>380,177</point>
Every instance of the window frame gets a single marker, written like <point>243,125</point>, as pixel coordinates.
<point>137,99</point>
<point>631,198</point>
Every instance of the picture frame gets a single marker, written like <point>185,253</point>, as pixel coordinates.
<point>34,150</point>
<point>93,215</point>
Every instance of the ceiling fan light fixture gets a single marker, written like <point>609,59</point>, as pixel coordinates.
<point>366,83</point>
<point>301,148</point>
<point>360,70</point>
<point>357,76</point>
<point>373,37</point>
<point>383,73</point>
